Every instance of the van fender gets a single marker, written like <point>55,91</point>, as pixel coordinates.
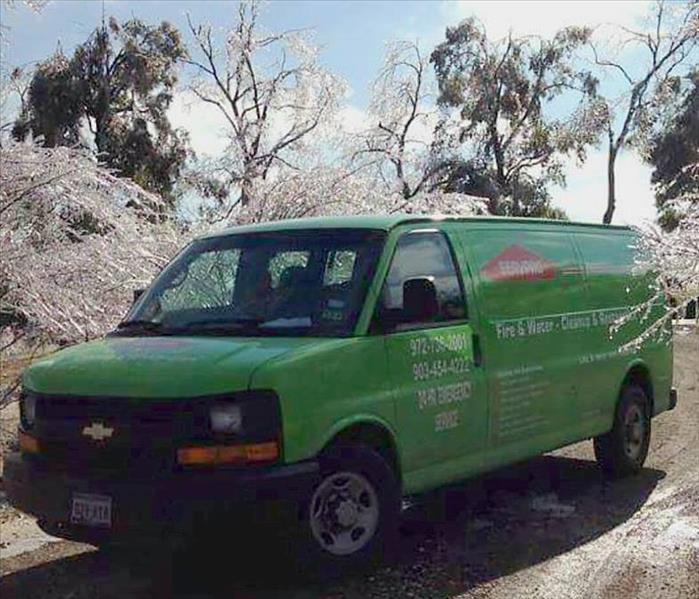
<point>358,419</point>
<point>640,364</point>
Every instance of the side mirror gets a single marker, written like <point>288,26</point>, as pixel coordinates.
<point>137,293</point>
<point>419,300</point>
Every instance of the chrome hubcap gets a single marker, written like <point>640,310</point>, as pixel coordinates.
<point>344,513</point>
<point>634,431</point>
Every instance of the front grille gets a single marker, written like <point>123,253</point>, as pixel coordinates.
<point>83,458</point>
<point>124,410</point>
<point>145,433</point>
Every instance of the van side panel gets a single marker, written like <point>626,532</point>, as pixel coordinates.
<point>530,290</point>
<point>540,300</point>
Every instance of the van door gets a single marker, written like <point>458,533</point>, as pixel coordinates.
<point>440,404</point>
<point>530,293</point>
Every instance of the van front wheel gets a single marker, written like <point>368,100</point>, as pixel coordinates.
<point>353,510</point>
<point>623,450</point>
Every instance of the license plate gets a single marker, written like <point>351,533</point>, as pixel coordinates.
<point>91,510</point>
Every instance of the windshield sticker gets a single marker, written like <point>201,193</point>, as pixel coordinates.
<point>334,314</point>
<point>517,263</point>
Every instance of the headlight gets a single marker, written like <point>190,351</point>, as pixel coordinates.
<point>226,418</point>
<point>241,417</point>
<point>28,410</point>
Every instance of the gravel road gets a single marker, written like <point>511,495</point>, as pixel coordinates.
<point>552,527</point>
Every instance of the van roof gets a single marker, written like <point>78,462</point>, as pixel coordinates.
<point>387,222</point>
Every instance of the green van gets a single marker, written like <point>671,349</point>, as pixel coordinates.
<point>341,364</point>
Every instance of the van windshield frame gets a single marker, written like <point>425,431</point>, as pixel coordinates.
<point>306,283</point>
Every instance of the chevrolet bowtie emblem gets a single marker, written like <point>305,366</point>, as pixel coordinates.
<point>98,432</point>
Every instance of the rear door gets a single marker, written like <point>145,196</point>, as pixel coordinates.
<point>440,404</point>
<point>613,288</point>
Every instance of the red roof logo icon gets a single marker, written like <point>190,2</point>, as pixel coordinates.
<point>517,263</point>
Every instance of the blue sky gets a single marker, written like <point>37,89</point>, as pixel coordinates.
<point>353,36</point>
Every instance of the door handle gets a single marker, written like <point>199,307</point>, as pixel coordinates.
<point>477,354</point>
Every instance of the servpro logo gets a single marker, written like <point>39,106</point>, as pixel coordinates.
<point>517,263</point>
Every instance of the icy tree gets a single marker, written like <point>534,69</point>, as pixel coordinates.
<point>35,5</point>
<point>394,152</point>
<point>286,150</point>
<point>338,191</point>
<point>274,96</point>
<point>74,241</point>
<point>671,41</point>
<point>673,257</point>
<point>112,93</point>
<point>500,132</point>
<point>395,144</point>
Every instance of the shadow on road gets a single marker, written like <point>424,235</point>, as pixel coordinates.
<point>451,541</point>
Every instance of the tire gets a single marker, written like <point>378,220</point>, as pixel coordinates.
<point>67,532</point>
<point>128,549</point>
<point>623,450</point>
<point>352,514</point>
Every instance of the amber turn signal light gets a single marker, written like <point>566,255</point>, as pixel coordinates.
<point>228,454</point>
<point>27,443</point>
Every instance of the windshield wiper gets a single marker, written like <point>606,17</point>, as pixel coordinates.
<point>145,324</point>
<point>138,326</point>
<point>218,327</point>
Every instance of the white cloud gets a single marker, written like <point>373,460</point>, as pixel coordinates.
<point>585,198</point>
<point>353,119</point>
<point>356,120</point>
<point>204,122</point>
<point>543,18</point>
<point>422,130</point>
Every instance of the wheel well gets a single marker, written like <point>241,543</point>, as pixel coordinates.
<point>371,435</point>
<point>640,375</point>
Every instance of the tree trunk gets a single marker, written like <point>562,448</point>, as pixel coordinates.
<point>494,204</point>
<point>611,186</point>
<point>101,135</point>
<point>103,108</point>
<point>245,192</point>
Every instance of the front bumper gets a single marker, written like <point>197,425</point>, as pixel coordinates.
<point>171,503</point>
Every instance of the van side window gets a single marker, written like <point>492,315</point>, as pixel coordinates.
<point>339,267</point>
<point>422,255</point>
<point>283,264</point>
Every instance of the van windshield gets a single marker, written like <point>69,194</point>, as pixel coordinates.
<point>306,282</point>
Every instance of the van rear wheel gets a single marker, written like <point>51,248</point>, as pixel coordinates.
<point>352,512</point>
<point>623,450</point>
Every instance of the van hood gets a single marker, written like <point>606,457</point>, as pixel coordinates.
<point>157,367</point>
